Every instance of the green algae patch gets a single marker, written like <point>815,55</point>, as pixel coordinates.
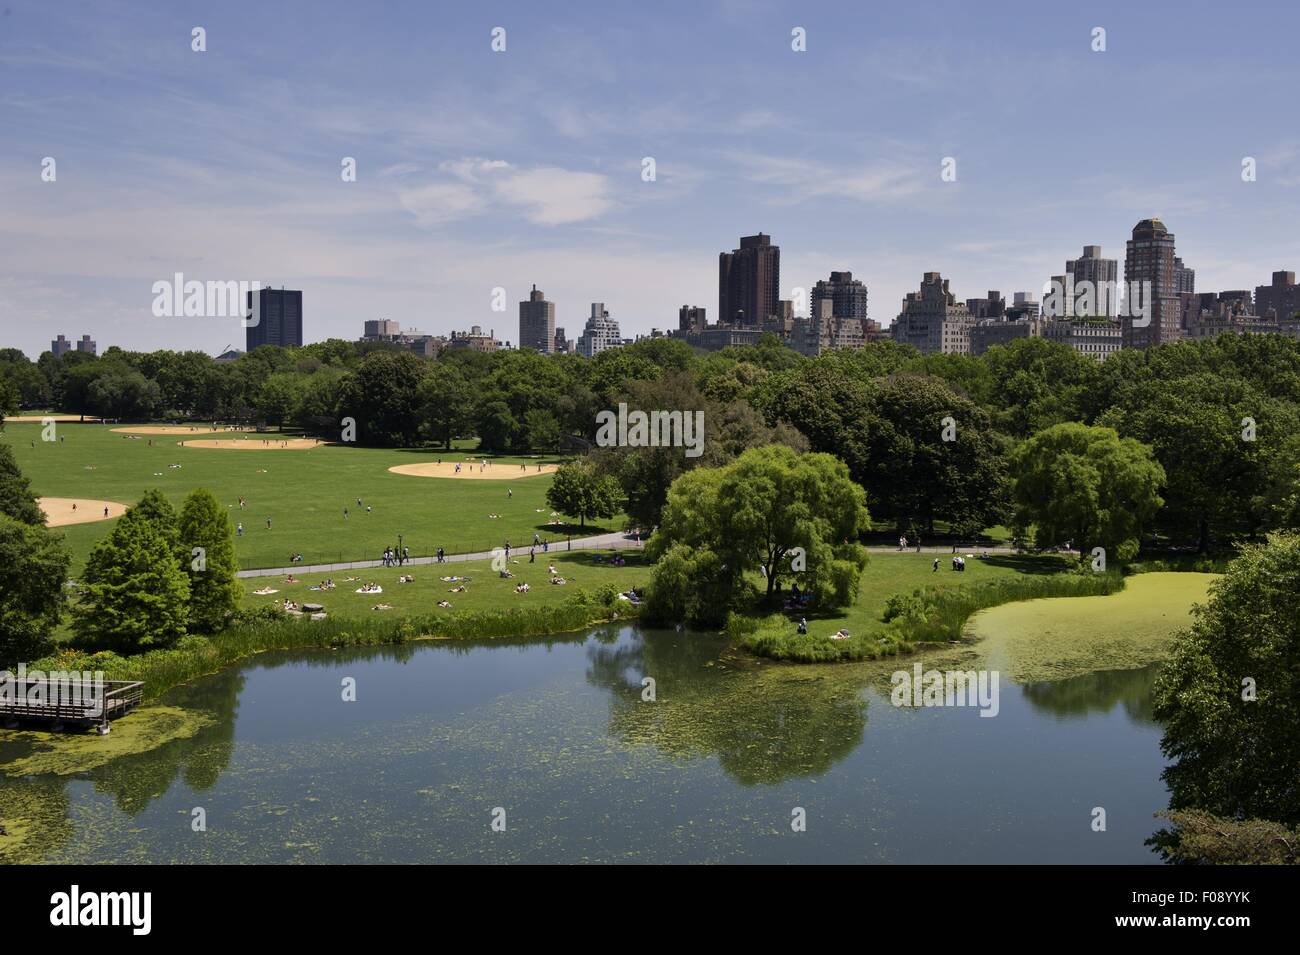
<point>64,754</point>
<point>1063,637</point>
<point>35,820</point>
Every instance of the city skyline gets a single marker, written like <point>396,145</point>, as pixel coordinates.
<point>479,170</point>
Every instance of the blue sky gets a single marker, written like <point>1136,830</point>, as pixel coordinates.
<point>479,169</point>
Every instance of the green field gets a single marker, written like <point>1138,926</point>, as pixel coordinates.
<point>484,591</point>
<point>304,494</point>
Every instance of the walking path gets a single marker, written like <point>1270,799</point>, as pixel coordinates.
<point>618,540</point>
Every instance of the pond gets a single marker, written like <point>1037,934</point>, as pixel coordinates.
<point>556,742</point>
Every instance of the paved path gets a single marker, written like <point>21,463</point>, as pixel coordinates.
<point>616,540</point>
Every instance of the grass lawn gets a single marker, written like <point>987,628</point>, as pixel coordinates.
<point>885,575</point>
<point>302,492</point>
<point>484,591</point>
<point>889,574</point>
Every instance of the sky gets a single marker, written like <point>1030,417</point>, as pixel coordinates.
<point>478,169</point>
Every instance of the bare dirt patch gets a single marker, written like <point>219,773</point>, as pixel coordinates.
<point>253,443</point>
<point>474,472</point>
<point>61,511</point>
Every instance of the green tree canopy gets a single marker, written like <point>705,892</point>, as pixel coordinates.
<point>214,589</point>
<point>33,567</point>
<point>579,490</point>
<point>771,511</point>
<point>1229,696</point>
<point>1088,485</point>
<point>135,595</point>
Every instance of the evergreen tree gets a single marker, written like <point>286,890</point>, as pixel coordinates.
<point>33,566</point>
<point>214,589</point>
<point>136,594</point>
<point>16,498</point>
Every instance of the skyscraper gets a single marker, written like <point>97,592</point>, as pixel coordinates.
<point>848,296</point>
<point>537,323</point>
<point>749,281</point>
<point>1282,298</point>
<point>601,332</point>
<point>1102,300</point>
<point>933,320</point>
<point>1149,273</point>
<point>278,318</point>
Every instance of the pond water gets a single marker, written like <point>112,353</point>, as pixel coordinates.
<point>557,735</point>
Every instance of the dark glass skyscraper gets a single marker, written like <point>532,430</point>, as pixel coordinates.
<point>279,318</point>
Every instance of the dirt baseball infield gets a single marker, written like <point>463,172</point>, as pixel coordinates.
<point>473,472</point>
<point>61,511</point>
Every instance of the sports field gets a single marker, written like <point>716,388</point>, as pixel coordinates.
<point>304,492</point>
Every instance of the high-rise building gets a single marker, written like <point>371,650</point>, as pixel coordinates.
<point>848,296</point>
<point>1154,310</point>
<point>1101,297</point>
<point>537,323</point>
<point>381,329</point>
<point>691,318</point>
<point>1281,298</point>
<point>749,281</point>
<point>933,320</point>
<point>61,346</point>
<point>993,306</point>
<point>600,333</point>
<point>278,316</point>
<point>1184,278</point>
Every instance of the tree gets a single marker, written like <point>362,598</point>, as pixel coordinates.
<point>383,397</point>
<point>771,511</point>
<point>577,490</point>
<point>1229,696</point>
<point>33,566</point>
<point>135,594</point>
<point>16,498</point>
<point>446,401</point>
<point>1087,485</point>
<point>8,399</point>
<point>214,589</point>
<point>541,430</point>
<point>155,508</point>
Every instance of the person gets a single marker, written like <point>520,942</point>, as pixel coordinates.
<point>106,510</point>
<point>902,542</point>
<point>441,559</point>
<point>74,507</point>
<point>532,555</point>
<point>406,554</point>
<point>268,523</point>
<point>239,530</point>
<point>936,565</point>
<point>803,624</point>
<point>510,492</point>
<point>345,513</point>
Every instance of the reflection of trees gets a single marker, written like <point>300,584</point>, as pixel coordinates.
<point>1097,692</point>
<point>764,725</point>
<point>136,779</point>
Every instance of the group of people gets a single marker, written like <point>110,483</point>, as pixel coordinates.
<point>395,558</point>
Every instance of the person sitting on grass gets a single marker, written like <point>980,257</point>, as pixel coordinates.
<point>445,605</point>
<point>803,624</point>
<point>558,581</point>
<point>291,579</point>
<point>522,589</point>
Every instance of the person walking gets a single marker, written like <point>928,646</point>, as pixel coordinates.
<point>239,530</point>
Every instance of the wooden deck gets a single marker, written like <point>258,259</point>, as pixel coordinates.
<point>68,701</point>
